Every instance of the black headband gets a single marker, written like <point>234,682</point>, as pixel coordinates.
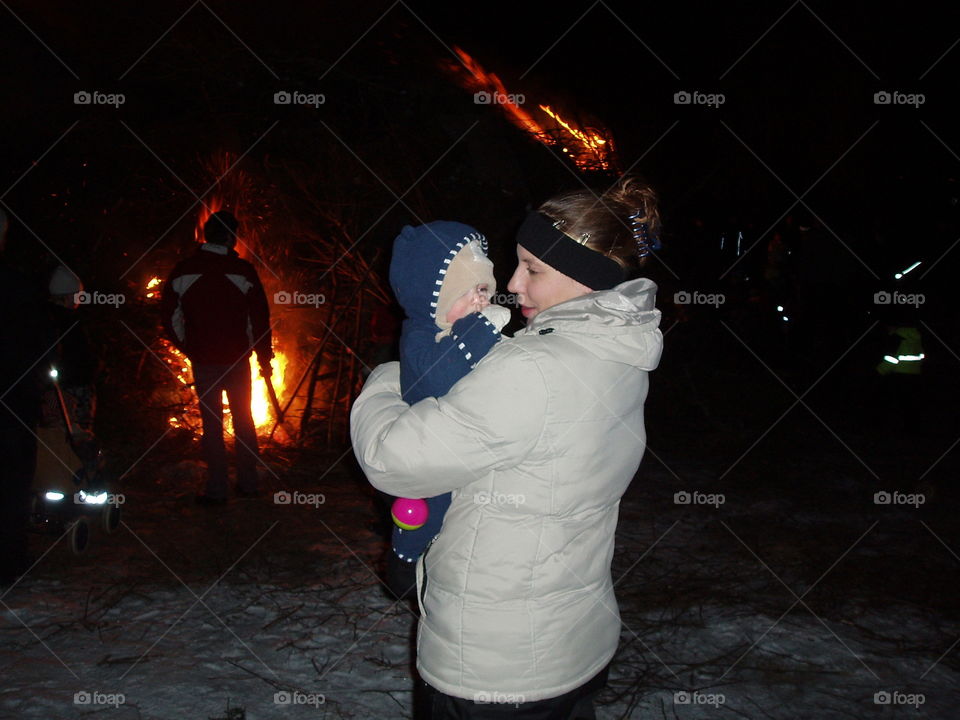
<point>538,236</point>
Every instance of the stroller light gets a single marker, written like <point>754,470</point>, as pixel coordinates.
<point>92,498</point>
<point>53,495</point>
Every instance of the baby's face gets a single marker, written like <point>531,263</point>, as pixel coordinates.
<point>473,301</point>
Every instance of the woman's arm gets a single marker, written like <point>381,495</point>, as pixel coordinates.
<point>490,419</point>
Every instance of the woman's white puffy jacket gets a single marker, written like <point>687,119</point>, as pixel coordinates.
<point>538,444</point>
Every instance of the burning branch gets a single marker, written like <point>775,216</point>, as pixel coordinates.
<point>591,149</point>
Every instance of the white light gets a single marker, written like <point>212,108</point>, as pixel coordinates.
<point>904,272</point>
<point>779,308</point>
<point>898,276</point>
<point>92,499</point>
<point>54,373</point>
<point>891,359</point>
<point>786,319</point>
<point>53,495</point>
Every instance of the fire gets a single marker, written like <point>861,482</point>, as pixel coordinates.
<point>152,286</point>
<point>261,408</point>
<point>589,148</point>
<point>482,81</point>
<point>214,204</point>
<point>263,413</point>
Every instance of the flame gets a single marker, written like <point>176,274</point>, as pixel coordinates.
<point>261,408</point>
<point>152,285</point>
<point>591,141</point>
<point>481,80</point>
<point>209,207</point>
<point>589,148</point>
<point>260,405</point>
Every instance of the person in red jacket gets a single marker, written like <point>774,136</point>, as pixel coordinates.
<point>215,311</point>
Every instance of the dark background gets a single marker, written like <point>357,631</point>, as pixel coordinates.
<point>878,183</point>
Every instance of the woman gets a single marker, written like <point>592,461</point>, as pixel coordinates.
<point>537,444</point>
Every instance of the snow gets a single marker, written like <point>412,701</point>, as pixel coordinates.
<point>762,607</point>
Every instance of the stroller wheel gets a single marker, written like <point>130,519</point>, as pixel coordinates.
<point>110,518</point>
<point>79,535</point>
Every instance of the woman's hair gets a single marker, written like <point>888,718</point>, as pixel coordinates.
<point>608,220</point>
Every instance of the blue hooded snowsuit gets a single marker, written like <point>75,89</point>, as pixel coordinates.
<point>429,368</point>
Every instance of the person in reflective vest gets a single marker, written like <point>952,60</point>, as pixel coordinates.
<point>908,357</point>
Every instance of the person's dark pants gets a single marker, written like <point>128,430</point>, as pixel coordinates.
<point>211,381</point>
<point>18,462</point>
<point>431,704</point>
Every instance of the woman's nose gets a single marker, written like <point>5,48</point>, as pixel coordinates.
<point>514,284</point>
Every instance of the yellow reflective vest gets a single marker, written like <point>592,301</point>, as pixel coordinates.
<point>909,357</point>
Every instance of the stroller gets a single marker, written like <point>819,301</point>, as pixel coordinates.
<point>69,486</point>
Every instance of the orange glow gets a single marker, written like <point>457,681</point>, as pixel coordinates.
<point>261,408</point>
<point>589,148</point>
<point>152,288</point>
<point>481,80</point>
<point>263,413</point>
<point>209,207</point>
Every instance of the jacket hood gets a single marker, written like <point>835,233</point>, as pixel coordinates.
<point>420,257</point>
<point>620,324</point>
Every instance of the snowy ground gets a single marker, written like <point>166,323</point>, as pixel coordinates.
<point>775,604</point>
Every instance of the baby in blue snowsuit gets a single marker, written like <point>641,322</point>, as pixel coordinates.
<point>443,279</point>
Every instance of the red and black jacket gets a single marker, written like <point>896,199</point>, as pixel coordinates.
<point>214,308</point>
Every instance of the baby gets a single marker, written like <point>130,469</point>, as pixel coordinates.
<point>444,281</point>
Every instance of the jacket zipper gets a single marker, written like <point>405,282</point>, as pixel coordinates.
<point>423,585</point>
